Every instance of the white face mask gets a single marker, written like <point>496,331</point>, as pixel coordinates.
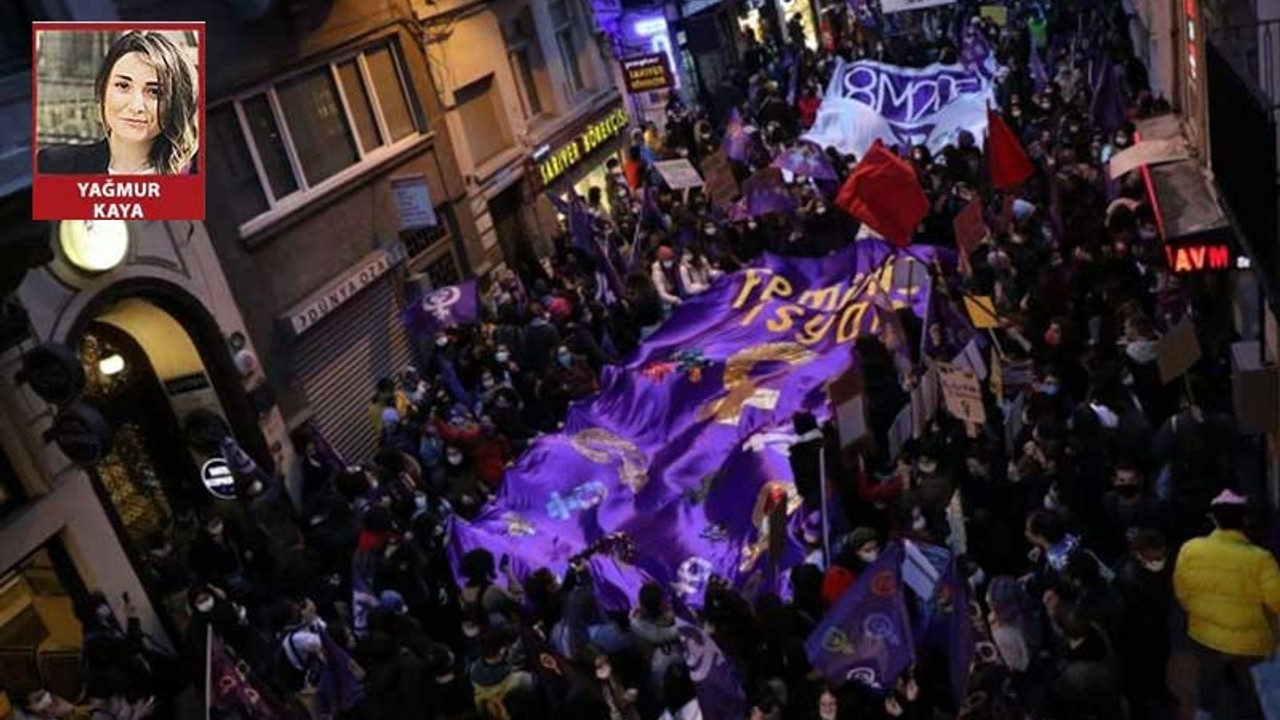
<point>668,264</point>
<point>204,606</point>
<point>1154,565</point>
<point>470,631</point>
<point>454,459</point>
<point>868,556</point>
<point>604,672</point>
<point>442,341</point>
<point>502,356</point>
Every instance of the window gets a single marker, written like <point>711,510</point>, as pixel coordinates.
<point>419,240</point>
<point>520,36</point>
<point>482,119</point>
<point>443,271</point>
<point>239,177</point>
<point>40,638</point>
<point>319,129</point>
<point>562,18</point>
<point>306,133</point>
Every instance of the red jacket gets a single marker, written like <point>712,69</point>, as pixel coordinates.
<point>491,455</point>
<point>807,108</point>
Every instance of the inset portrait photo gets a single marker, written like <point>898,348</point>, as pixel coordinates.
<point>118,114</point>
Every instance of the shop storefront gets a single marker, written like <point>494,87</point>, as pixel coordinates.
<point>345,337</point>
<point>574,161</point>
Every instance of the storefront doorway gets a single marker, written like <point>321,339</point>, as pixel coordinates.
<point>40,640</point>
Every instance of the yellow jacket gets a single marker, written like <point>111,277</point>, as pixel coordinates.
<point>1226,584</point>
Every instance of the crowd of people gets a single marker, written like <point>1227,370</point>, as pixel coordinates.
<point>1111,519</point>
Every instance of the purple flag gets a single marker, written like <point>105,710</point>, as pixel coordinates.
<point>766,193</point>
<point>716,681</point>
<point>807,160</point>
<point>1107,109</point>
<point>1039,76</point>
<point>737,143</point>
<point>867,635</point>
<point>443,307</point>
<point>686,442</point>
<point>944,626</point>
<point>229,687</point>
<point>975,53</point>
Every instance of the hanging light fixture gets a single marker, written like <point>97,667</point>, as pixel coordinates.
<point>94,245</point>
<point>111,364</point>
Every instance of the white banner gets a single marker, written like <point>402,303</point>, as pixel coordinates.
<point>893,6</point>
<point>929,106</point>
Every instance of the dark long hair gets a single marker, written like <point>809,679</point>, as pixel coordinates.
<point>179,137</point>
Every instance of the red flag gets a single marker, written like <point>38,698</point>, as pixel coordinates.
<point>1006,160</point>
<point>882,191</point>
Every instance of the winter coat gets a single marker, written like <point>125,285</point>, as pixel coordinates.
<point>1226,584</point>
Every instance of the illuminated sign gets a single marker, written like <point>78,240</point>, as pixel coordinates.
<point>646,73</point>
<point>1189,6</point>
<point>1199,257</point>
<point>554,163</point>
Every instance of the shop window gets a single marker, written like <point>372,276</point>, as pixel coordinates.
<point>312,131</point>
<point>571,45</point>
<point>40,638</point>
<point>420,240</point>
<point>479,109</point>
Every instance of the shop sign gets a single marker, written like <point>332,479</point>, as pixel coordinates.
<point>216,475</point>
<point>190,382</point>
<point>646,73</point>
<point>556,161</point>
<point>413,202</point>
<point>81,433</point>
<point>1187,259</point>
<point>305,315</point>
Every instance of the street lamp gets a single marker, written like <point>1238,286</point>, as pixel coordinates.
<point>93,246</point>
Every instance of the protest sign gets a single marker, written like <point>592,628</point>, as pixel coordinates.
<point>997,14</point>
<point>1177,351</point>
<point>845,393</point>
<point>961,393</point>
<point>718,173</point>
<point>1147,152</point>
<point>678,174</point>
<point>982,311</point>
<point>868,101</point>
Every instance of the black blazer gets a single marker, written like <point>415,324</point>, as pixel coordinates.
<point>74,159</point>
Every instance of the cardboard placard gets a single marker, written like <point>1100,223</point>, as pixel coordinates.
<point>961,393</point>
<point>1147,152</point>
<point>721,183</point>
<point>678,174</point>
<point>982,311</point>
<point>848,406</point>
<point>1177,351</point>
<point>997,14</point>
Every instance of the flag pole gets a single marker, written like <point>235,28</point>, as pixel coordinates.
<point>822,487</point>
<point>208,672</point>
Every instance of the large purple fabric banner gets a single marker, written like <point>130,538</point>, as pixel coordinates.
<point>688,437</point>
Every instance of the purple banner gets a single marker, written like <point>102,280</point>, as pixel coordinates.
<point>867,636</point>
<point>689,436</point>
<point>443,307</point>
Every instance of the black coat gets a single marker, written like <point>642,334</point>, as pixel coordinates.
<point>74,159</point>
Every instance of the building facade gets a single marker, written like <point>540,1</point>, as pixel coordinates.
<point>333,196</point>
<point>529,97</point>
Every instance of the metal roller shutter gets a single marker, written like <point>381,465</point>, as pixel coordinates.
<point>340,360</point>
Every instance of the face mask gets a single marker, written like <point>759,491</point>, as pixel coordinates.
<point>502,357</point>
<point>604,672</point>
<point>215,530</point>
<point>454,459</point>
<point>205,605</point>
<point>470,631</point>
<point>442,341</point>
<point>1049,390</point>
<point>1154,566</point>
<point>928,468</point>
<point>709,231</point>
<point>255,487</point>
<point>751,225</point>
<point>868,556</point>
<point>420,501</point>
<point>564,359</point>
<point>668,264</point>
<point>821,210</point>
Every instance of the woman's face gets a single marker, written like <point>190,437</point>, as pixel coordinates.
<point>131,102</point>
<point>827,706</point>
